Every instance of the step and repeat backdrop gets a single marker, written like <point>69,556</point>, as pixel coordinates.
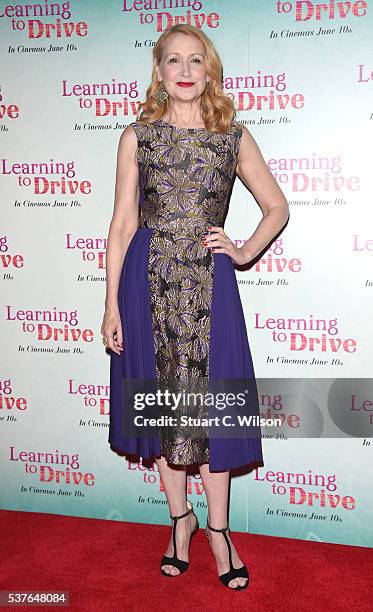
<point>72,75</point>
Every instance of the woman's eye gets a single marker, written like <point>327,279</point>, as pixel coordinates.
<point>174,59</point>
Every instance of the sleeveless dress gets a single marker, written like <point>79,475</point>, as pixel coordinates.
<point>181,313</point>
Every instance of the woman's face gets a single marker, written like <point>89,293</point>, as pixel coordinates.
<point>182,68</point>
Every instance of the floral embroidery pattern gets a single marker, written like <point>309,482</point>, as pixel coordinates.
<point>185,178</point>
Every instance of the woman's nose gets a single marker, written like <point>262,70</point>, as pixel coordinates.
<point>186,70</point>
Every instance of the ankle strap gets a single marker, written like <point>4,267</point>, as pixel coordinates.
<point>182,515</point>
<point>218,530</point>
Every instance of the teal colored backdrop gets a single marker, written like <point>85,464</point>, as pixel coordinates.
<point>301,79</point>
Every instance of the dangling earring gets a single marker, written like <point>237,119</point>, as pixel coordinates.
<point>208,86</point>
<point>161,95</point>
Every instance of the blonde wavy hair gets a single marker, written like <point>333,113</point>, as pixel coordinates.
<point>217,108</point>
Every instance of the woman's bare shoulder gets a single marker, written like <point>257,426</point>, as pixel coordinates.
<point>128,140</point>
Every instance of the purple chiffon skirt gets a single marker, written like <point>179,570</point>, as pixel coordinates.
<point>230,355</point>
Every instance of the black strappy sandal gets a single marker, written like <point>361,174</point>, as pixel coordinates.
<point>233,573</point>
<point>181,565</point>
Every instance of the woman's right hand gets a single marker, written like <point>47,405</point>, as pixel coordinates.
<point>111,329</point>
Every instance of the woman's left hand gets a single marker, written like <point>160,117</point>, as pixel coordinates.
<point>221,243</point>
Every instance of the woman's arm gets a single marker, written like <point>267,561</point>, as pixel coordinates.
<point>124,222</point>
<point>123,225</point>
<point>256,176</point>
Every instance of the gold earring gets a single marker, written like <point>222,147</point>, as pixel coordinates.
<point>161,95</point>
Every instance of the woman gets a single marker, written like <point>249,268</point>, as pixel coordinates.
<point>172,309</point>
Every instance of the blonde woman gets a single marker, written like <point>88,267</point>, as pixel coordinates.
<point>172,311</point>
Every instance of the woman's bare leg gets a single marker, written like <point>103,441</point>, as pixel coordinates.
<point>174,482</point>
<point>216,485</point>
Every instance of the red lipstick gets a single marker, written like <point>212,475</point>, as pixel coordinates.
<point>182,84</point>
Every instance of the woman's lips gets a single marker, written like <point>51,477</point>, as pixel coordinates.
<point>181,84</point>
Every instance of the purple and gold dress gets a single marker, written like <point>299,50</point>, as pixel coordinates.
<point>181,313</point>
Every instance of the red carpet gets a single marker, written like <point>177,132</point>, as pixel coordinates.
<point>113,566</point>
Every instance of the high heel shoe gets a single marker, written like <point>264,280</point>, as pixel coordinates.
<point>240,572</point>
<point>181,565</point>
